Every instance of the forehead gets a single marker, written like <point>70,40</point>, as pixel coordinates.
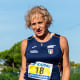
<point>37,16</point>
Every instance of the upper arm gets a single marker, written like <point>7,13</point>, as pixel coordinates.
<point>24,62</point>
<point>23,49</point>
<point>65,52</point>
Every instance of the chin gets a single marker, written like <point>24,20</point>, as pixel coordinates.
<point>39,35</point>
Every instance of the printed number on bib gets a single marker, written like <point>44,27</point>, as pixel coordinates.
<point>40,70</point>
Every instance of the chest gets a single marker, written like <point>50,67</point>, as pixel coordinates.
<point>45,52</point>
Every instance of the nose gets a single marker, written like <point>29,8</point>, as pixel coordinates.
<point>37,26</point>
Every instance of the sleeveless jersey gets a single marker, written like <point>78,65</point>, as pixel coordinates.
<point>48,52</point>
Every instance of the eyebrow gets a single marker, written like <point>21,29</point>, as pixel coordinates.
<point>33,23</point>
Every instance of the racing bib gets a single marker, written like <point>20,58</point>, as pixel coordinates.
<point>40,70</point>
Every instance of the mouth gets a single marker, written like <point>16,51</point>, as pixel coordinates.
<point>39,31</point>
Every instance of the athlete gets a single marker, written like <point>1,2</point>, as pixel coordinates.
<point>45,52</point>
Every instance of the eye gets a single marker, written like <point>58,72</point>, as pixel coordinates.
<point>40,22</point>
<point>33,24</point>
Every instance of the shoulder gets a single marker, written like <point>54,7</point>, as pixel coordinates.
<point>63,39</point>
<point>23,46</point>
<point>63,43</point>
<point>24,42</point>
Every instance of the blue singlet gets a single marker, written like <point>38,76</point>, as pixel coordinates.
<point>49,52</point>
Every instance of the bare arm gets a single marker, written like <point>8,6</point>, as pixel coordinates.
<point>24,62</point>
<point>65,52</point>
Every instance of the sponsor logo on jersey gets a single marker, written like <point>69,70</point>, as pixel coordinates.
<point>34,46</point>
<point>42,64</point>
<point>51,46</point>
<point>50,51</point>
<point>33,51</point>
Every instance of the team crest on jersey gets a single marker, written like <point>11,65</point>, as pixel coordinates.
<point>50,51</point>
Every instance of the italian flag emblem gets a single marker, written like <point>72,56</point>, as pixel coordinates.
<point>50,51</point>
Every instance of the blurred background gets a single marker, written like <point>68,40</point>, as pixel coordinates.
<point>66,22</point>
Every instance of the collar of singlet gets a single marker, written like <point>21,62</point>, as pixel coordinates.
<point>52,34</point>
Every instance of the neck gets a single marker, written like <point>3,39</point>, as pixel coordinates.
<point>43,38</point>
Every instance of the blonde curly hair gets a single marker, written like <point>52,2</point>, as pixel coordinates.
<point>38,9</point>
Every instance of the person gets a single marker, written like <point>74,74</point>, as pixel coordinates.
<point>44,52</point>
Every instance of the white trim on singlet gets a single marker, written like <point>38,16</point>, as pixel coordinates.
<point>51,35</point>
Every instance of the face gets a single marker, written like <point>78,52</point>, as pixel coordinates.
<point>38,24</point>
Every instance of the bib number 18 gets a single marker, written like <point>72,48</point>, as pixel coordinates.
<point>39,70</point>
